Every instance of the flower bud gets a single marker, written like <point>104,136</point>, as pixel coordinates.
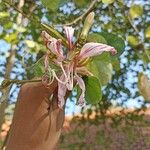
<point>87,25</point>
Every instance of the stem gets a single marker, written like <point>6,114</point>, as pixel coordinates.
<point>148,56</point>
<point>134,27</point>
<point>89,9</point>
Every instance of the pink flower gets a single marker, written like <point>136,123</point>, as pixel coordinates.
<point>70,64</point>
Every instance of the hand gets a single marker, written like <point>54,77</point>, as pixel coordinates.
<point>37,121</point>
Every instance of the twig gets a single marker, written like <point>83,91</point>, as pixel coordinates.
<point>134,27</point>
<point>89,9</point>
<point>8,82</point>
<point>138,33</point>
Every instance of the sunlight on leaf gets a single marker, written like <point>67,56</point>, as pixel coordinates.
<point>144,86</point>
<point>136,11</point>
<point>147,32</point>
<point>30,44</point>
<point>4,14</point>
<point>108,1</point>
<point>12,37</point>
<point>133,40</point>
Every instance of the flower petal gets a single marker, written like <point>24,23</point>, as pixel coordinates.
<point>69,31</point>
<point>94,49</point>
<point>46,37</point>
<point>82,86</point>
<point>56,48</point>
<point>53,45</point>
<point>46,63</point>
<point>62,89</point>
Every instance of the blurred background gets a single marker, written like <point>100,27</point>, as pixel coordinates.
<point>121,120</point>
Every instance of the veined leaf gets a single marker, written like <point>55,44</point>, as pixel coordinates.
<point>102,70</point>
<point>93,92</point>
<point>38,68</point>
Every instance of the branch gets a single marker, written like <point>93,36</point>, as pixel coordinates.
<point>89,9</point>
<point>43,26</point>
<point>8,82</point>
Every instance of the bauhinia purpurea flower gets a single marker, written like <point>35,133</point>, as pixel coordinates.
<point>72,63</point>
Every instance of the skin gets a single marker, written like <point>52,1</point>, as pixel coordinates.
<point>37,122</point>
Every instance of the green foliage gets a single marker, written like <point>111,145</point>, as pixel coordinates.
<point>52,5</point>
<point>93,92</point>
<point>81,3</point>
<point>101,69</point>
<point>136,11</point>
<point>95,37</point>
<point>147,32</point>
<point>12,37</point>
<point>144,56</point>
<point>101,65</point>
<point>133,40</point>
<point>115,41</point>
<point>108,1</point>
<point>38,68</point>
<point>4,14</point>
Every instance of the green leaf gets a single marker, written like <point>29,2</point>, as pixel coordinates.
<point>95,37</point>
<point>81,3</point>
<point>30,44</point>
<point>38,68</point>
<point>135,11</point>
<point>12,37</point>
<point>133,40</point>
<point>116,64</point>
<point>93,93</point>
<point>105,56</point>
<point>53,5</point>
<point>147,32</point>
<point>145,56</point>
<point>108,1</point>
<point>144,86</point>
<point>102,70</point>
<point>115,41</point>
<point>4,14</point>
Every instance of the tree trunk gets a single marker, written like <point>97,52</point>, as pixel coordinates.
<point>37,121</point>
<point>9,66</point>
<point>5,95</point>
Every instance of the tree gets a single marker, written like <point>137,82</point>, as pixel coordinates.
<point>113,27</point>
